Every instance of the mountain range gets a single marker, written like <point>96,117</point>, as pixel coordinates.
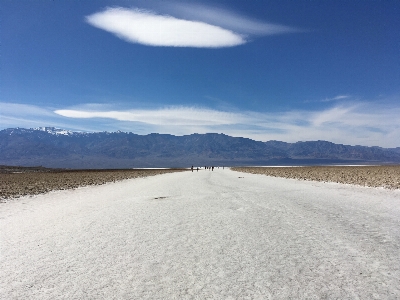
<point>58,148</point>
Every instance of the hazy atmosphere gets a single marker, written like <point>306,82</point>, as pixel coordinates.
<point>266,70</point>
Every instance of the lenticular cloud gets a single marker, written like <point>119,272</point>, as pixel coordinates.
<point>180,116</point>
<point>147,28</point>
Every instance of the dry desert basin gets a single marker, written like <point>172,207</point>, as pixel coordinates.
<point>21,181</point>
<point>298,233</point>
<point>372,176</point>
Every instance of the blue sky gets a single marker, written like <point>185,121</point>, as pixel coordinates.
<point>267,70</point>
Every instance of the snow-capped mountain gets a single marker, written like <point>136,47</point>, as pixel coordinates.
<point>54,130</point>
<point>55,147</point>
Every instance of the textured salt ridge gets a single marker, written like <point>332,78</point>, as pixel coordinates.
<point>33,182</point>
<point>372,176</point>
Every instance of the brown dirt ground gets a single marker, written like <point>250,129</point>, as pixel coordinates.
<point>372,176</point>
<point>19,181</point>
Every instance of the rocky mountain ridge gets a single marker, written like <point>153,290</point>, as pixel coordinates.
<point>53,147</point>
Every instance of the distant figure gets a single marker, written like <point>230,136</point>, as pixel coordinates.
<point>192,168</point>
<point>223,167</point>
<point>212,168</point>
<point>197,169</point>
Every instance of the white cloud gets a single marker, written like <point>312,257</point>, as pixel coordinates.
<point>227,19</point>
<point>148,28</point>
<point>337,98</point>
<point>176,116</point>
<point>336,114</point>
<point>32,116</point>
<point>369,124</point>
<point>340,97</point>
<point>363,124</point>
<point>22,110</point>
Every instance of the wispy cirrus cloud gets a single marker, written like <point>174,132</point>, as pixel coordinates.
<point>148,28</point>
<point>340,97</point>
<point>33,116</point>
<point>369,123</point>
<point>331,99</point>
<point>226,19</point>
<point>183,25</point>
<point>22,110</point>
<point>358,123</point>
<point>337,98</point>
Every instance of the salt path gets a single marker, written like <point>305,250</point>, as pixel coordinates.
<point>214,235</point>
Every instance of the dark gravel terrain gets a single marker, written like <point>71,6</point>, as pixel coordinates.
<point>372,176</point>
<point>21,181</point>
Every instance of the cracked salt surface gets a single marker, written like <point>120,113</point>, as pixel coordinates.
<point>203,235</point>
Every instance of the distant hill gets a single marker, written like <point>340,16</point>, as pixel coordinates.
<point>328,150</point>
<point>57,148</point>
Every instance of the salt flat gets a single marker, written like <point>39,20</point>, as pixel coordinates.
<point>218,235</point>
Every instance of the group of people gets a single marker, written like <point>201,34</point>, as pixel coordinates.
<point>206,168</point>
